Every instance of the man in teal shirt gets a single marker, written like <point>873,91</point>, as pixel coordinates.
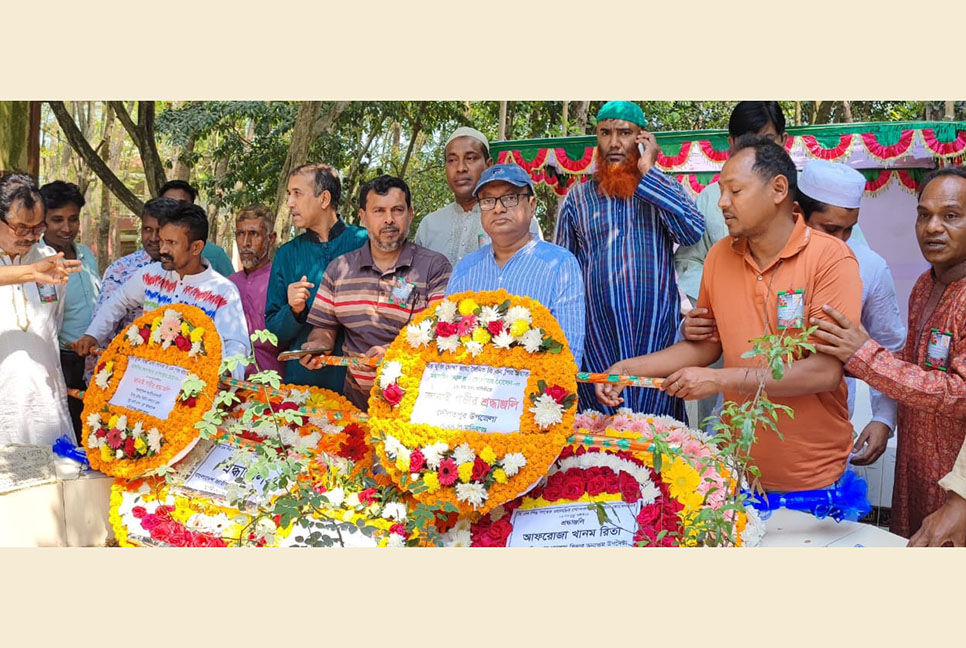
<point>313,200</point>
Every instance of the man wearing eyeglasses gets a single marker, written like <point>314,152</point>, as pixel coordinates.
<point>515,260</point>
<point>33,396</point>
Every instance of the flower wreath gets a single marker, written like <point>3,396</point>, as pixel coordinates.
<point>474,471</point>
<point>671,500</point>
<point>128,443</point>
<point>148,511</point>
<point>317,433</point>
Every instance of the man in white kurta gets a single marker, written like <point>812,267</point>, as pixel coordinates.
<point>33,397</point>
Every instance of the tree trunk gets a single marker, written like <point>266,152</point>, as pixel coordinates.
<point>298,154</point>
<point>145,139</point>
<point>950,111</point>
<point>501,130</point>
<point>77,142</point>
<point>182,170</point>
<point>417,127</point>
<point>822,112</point>
<point>581,114</point>
<point>847,112</point>
<point>798,113</point>
<point>351,183</point>
<point>564,118</point>
<point>104,221</point>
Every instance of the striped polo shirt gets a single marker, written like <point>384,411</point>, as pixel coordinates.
<point>373,304</point>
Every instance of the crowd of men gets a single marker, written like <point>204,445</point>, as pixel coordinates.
<point>762,250</point>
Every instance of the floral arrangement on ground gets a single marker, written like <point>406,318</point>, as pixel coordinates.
<point>474,471</point>
<point>128,443</point>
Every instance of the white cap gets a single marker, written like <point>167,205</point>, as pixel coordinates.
<point>832,183</point>
<point>466,131</point>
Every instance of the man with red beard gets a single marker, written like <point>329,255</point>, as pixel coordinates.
<point>622,227</point>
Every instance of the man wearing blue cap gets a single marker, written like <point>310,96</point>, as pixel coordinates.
<point>622,227</point>
<point>518,262</point>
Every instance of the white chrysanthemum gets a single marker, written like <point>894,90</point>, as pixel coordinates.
<point>450,343</point>
<point>137,430</point>
<point>463,453</point>
<point>134,337</point>
<point>434,454</point>
<point>473,492</point>
<point>546,411</point>
<point>389,373</point>
<point>446,311</point>
<point>299,397</point>
<point>325,425</point>
<point>459,538</point>
<point>308,441</point>
<point>352,500</point>
<point>94,421</point>
<point>195,349</point>
<point>396,541</point>
<point>119,454</point>
<point>488,314</point>
<point>475,348</point>
<point>264,526</point>
<point>532,340</point>
<point>503,339</point>
<point>394,511</point>
<point>102,378</point>
<point>93,441</point>
<point>335,496</point>
<point>156,335</point>
<point>121,422</point>
<point>754,530</point>
<point>154,440</point>
<point>420,334</point>
<point>516,313</point>
<point>512,463</point>
<point>288,436</point>
<point>394,448</point>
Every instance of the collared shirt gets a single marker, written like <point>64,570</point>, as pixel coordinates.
<point>373,304</point>
<point>218,259</point>
<point>932,399</point>
<point>306,256</point>
<point>454,233</point>
<point>252,287</point>
<point>881,318</point>
<point>33,395</point>
<point>114,277</point>
<point>83,289</point>
<point>689,259</point>
<point>742,299</point>
<point>624,248</point>
<point>153,287</point>
<point>539,270</point>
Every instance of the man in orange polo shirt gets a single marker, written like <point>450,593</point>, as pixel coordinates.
<point>772,273</point>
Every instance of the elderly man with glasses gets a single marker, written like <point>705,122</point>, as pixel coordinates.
<point>516,261</point>
<point>33,396</point>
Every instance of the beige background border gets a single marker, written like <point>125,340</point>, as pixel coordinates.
<point>214,49</point>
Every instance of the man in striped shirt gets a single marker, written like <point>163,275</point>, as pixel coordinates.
<point>372,293</point>
<point>622,226</point>
<point>516,261</point>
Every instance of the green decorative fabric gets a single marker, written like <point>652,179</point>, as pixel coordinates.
<point>625,110</point>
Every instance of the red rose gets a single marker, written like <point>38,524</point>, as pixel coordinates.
<point>145,333</point>
<point>480,469</point>
<point>197,540</point>
<point>553,491</point>
<point>286,405</point>
<point>495,327</point>
<point>445,329</point>
<point>149,521</point>
<point>648,515</point>
<point>393,394</point>
<point>613,483</point>
<point>416,461</point>
<point>129,448</point>
<point>447,472</point>
<point>182,343</point>
<point>139,512</point>
<point>191,401</point>
<point>367,496</point>
<point>630,489</point>
<point>217,542</point>
<point>277,519</point>
<point>557,393</point>
<point>100,367</point>
<point>574,487</point>
<point>498,533</point>
<point>101,433</point>
<point>596,485</point>
<point>399,529</point>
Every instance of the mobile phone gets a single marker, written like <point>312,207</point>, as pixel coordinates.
<point>640,149</point>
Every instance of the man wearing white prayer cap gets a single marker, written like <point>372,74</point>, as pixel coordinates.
<point>456,230</point>
<point>829,194</point>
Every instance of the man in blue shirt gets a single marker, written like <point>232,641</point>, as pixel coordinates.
<point>63,202</point>
<point>517,262</point>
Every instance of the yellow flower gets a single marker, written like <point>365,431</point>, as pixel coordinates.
<point>692,501</point>
<point>197,334</point>
<point>481,335</point>
<point>431,480</point>
<point>155,323</point>
<point>106,453</point>
<point>402,463</point>
<point>518,328</point>
<point>140,445</point>
<point>499,476</point>
<point>467,306</point>
<point>465,471</point>
<point>488,455</point>
<point>466,338</point>
<point>682,479</point>
<point>184,328</point>
<point>111,423</point>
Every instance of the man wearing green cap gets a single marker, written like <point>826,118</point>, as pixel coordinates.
<point>622,227</point>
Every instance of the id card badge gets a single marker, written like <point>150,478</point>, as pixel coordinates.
<point>483,239</point>
<point>937,353</point>
<point>47,293</point>
<point>402,290</point>
<point>791,309</point>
